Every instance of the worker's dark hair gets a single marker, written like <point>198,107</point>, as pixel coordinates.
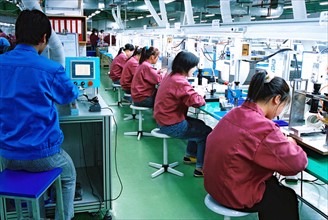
<point>137,51</point>
<point>129,47</point>
<point>94,31</point>
<point>183,62</point>
<point>263,88</point>
<point>147,52</point>
<point>31,26</point>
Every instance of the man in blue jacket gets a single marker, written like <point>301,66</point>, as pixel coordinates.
<point>30,86</point>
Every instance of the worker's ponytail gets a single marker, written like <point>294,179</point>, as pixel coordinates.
<point>120,51</point>
<point>147,52</point>
<point>263,87</point>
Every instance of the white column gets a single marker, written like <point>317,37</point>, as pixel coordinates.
<point>299,9</point>
<point>189,12</point>
<point>225,11</point>
<point>163,11</point>
<point>154,14</point>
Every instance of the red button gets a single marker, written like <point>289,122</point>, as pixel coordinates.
<point>90,83</point>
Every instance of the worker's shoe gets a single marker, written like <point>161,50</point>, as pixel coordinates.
<point>189,160</point>
<point>198,172</point>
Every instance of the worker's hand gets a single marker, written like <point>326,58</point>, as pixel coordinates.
<point>163,71</point>
<point>322,118</point>
<point>200,90</point>
<point>290,139</point>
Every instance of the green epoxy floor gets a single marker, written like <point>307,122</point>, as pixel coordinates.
<point>166,197</point>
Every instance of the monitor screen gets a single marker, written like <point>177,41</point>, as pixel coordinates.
<point>82,69</point>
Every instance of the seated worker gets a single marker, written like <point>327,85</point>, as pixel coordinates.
<point>174,96</point>
<point>30,86</point>
<point>246,148</point>
<point>129,70</point>
<point>119,61</point>
<point>145,80</point>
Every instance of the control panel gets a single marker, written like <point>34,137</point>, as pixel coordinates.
<point>84,71</point>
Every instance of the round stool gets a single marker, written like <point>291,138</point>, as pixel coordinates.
<point>117,87</point>
<point>133,115</point>
<point>222,210</point>
<point>140,132</point>
<point>165,167</point>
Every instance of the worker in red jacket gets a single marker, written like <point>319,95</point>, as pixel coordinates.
<point>119,61</point>
<point>246,148</point>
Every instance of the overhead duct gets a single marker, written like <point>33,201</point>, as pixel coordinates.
<point>257,8</point>
<point>119,2</point>
<point>154,14</point>
<point>117,16</point>
<point>57,52</point>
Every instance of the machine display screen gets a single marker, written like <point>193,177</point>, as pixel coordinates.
<point>82,69</point>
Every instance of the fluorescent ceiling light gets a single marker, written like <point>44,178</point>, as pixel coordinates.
<point>172,19</point>
<point>168,1</point>
<point>140,17</point>
<point>142,7</point>
<point>288,7</point>
<point>101,5</point>
<point>148,16</point>
<point>272,17</point>
<point>253,18</point>
<point>196,16</point>
<point>323,3</point>
<point>132,19</point>
<point>210,15</point>
<point>203,21</point>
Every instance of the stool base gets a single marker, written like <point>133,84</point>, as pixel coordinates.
<point>139,134</point>
<point>131,117</point>
<point>165,168</point>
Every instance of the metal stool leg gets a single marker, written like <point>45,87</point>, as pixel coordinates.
<point>35,209</point>
<point>18,207</point>
<point>165,167</point>
<point>3,210</point>
<point>140,131</point>
<point>59,198</point>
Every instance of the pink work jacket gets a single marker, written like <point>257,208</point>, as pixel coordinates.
<point>144,82</point>
<point>129,70</point>
<point>174,96</point>
<point>242,152</point>
<point>117,66</point>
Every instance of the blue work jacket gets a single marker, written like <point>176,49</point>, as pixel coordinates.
<point>30,85</point>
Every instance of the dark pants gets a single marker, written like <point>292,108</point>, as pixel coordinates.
<point>195,131</point>
<point>147,102</point>
<point>278,202</point>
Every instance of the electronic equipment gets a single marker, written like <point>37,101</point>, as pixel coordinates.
<point>234,95</point>
<point>84,71</point>
<point>304,123</point>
